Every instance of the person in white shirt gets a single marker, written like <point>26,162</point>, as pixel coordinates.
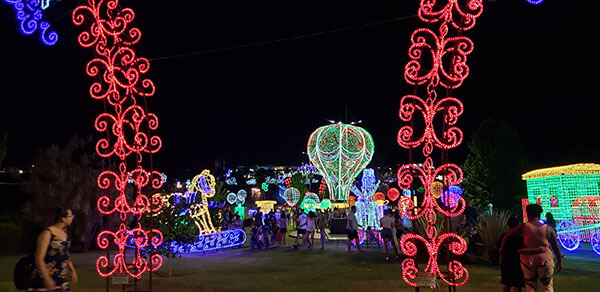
<point>310,229</point>
<point>352,229</point>
<point>388,224</point>
<point>302,218</point>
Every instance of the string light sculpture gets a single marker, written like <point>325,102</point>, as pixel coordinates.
<point>340,152</point>
<point>393,194</point>
<point>436,59</point>
<point>291,196</point>
<point>571,194</point>
<point>30,14</point>
<point>122,86</point>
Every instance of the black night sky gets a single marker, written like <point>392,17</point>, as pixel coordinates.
<point>532,66</point>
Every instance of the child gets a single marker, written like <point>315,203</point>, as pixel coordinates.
<point>370,234</point>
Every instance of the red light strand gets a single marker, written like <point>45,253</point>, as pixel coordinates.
<point>121,83</point>
<point>435,60</point>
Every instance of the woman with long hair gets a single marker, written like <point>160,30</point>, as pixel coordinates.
<point>52,255</point>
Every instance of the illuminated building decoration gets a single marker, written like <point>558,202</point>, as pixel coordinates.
<point>572,194</point>
<point>291,196</point>
<point>30,14</point>
<point>340,152</point>
<point>127,125</point>
<point>266,206</point>
<point>437,59</point>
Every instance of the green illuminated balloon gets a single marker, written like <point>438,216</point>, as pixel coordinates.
<point>340,152</point>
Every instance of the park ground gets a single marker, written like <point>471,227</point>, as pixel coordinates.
<point>284,269</point>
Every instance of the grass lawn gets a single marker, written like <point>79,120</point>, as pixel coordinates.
<point>284,269</point>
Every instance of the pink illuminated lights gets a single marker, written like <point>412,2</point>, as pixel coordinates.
<point>436,59</point>
<point>121,85</point>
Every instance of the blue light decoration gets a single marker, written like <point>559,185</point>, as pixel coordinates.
<point>451,196</point>
<point>30,14</point>
<point>251,182</point>
<point>228,173</point>
<point>231,181</point>
<point>215,241</point>
<point>368,211</point>
<point>535,2</point>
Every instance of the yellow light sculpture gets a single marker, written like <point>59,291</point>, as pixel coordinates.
<point>266,206</point>
<point>203,184</point>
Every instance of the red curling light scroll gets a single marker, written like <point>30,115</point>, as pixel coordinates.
<point>121,85</point>
<point>436,59</point>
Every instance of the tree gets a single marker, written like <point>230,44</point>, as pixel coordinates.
<point>177,227</point>
<point>66,177</point>
<point>493,168</point>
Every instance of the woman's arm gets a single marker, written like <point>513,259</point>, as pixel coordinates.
<point>515,231</point>
<point>554,243</point>
<point>74,277</point>
<point>43,242</point>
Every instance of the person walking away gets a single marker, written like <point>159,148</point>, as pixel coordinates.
<point>537,266</point>
<point>283,221</point>
<point>511,274</point>
<point>52,260</point>
<point>387,223</point>
<point>550,220</point>
<point>301,227</point>
<point>352,229</point>
<point>322,223</point>
<point>310,229</point>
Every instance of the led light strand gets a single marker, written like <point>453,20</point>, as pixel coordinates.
<point>121,83</point>
<point>435,60</point>
<point>340,152</point>
<point>30,14</point>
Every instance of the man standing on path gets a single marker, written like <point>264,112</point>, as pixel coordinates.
<point>537,266</point>
<point>301,228</point>
<point>352,229</point>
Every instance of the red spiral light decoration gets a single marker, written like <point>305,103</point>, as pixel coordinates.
<point>436,59</point>
<point>128,127</point>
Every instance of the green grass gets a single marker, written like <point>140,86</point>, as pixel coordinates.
<point>284,269</point>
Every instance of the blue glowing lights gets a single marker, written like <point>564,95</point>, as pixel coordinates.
<point>30,14</point>
<point>535,2</point>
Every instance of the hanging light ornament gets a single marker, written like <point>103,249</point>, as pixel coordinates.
<point>340,152</point>
<point>435,59</point>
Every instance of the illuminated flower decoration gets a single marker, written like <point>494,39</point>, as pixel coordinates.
<point>291,196</point>
<point>340,152</point>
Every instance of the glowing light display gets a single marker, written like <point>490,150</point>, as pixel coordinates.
<point>393,194</point>
<point>122,86</point>
<point>340,152</point>
<point>436,59</point>
<point>30,14</point>
<point>266,206</point>
<point>535,2</point>
<point>368,210</point>
<point>571,194</point>
<point>308,205</point>
<point>291,196</point>
<point>215,241</point>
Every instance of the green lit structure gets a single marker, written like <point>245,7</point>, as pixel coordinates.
<point>571,194</point>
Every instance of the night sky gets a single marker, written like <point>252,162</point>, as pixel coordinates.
<point>532,66</point>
